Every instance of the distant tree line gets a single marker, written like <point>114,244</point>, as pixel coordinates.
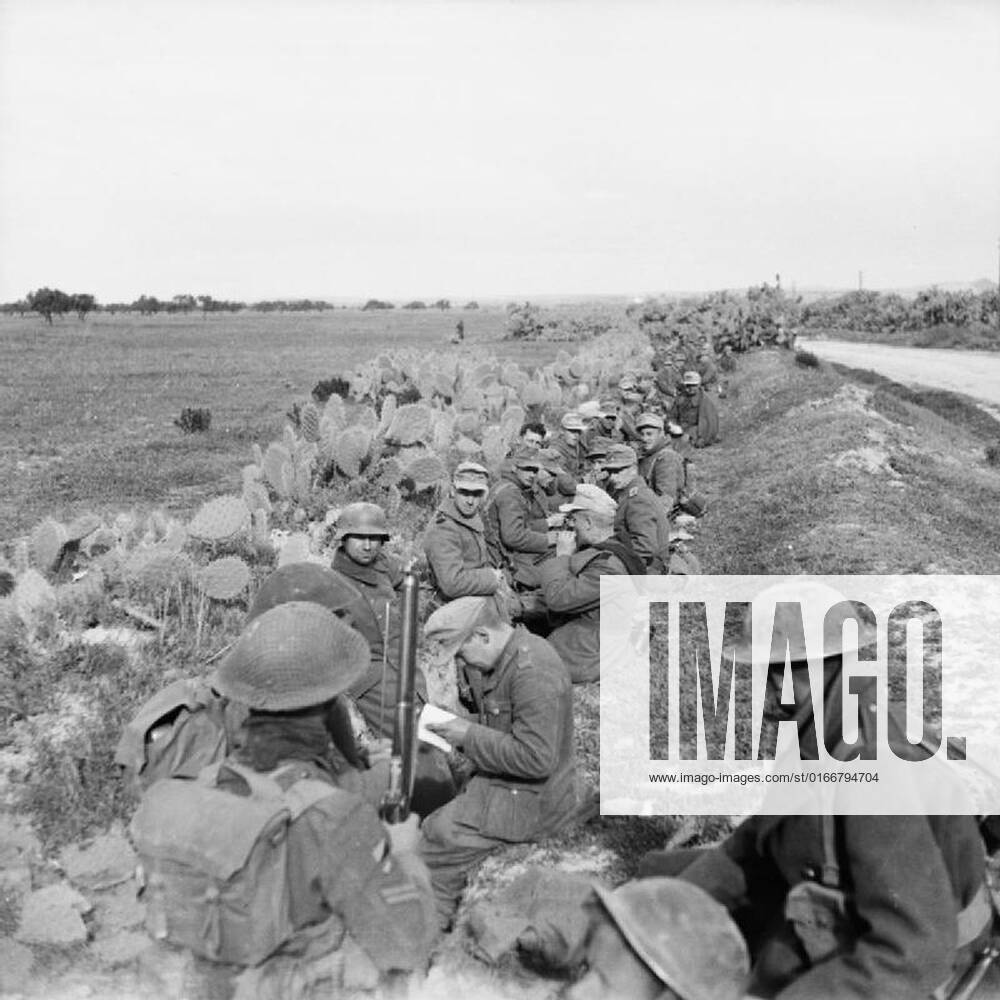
<point>51,302</point>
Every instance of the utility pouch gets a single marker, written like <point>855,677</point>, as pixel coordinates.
<point>818,915</point>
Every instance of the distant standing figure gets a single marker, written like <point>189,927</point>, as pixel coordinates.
<point>460,329</point>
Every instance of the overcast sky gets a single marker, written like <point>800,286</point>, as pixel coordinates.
<point>261,149</point>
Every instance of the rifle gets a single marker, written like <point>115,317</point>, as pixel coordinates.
<point>395,805</point>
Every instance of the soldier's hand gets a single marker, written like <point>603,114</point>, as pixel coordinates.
<point>404,837</point>
<point>565,543</point>
<point>501,579</point>
<point>555,520</point>
<point>453,730</point>
<point>378,750</point>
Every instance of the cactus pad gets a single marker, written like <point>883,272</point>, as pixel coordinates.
<point>46,544</point>
<point>309,421</point>
<point>33,596</point>
<point>468,424</point>
<point>494,446</point>
<point>471,399</point>
<point>276,459</point>
<point>219,519</point>
<point>533,394</point>
<point>352,447</point>
<point>84,525</point>
<point>388,411</point>
<point>155,570</point>
<point>255,497</point>
<point>410,423</point>
<point>426,471</point>
<point>467,446</point>
<point>294,549</point>
<point>225,578</point>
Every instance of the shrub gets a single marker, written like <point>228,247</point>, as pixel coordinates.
<point>807,359</point>
<point>194,420</point>
<point>993,454</point>
<point>328,387</point>
<point>376,304</point>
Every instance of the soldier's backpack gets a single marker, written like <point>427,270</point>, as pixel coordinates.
<point>214,863</point>
<point>178,732</point>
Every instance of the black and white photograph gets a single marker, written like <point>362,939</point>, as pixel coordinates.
<point>346,347</point>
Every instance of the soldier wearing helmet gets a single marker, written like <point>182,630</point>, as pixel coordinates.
<point>359,906</point>
<point>839,904</point>
<point>696,413</point>
<point>361,532</point>
<point>640,521</point>
<point>455,541</point>
<point>660,939</point>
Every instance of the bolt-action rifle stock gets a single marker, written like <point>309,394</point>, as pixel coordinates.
<point>395,806</point>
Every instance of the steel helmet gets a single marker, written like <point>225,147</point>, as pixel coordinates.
<point>364,519</point>
<point>308,581</point>
<point>295,655</point>
<point>685,937</point>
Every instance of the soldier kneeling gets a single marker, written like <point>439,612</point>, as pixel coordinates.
<point>281,883</point>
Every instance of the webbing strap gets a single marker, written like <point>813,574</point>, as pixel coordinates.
<point>970,922</point>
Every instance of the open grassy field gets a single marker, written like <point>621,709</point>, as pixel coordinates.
<point>816,472</point>
<point>87,409</point>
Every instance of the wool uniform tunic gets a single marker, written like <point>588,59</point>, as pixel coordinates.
<point>523,787</point>
<point>641,523</point>
<point>457,554</point>
<point>518,528</point>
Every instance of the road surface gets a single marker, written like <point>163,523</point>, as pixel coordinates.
<point>975,373</point>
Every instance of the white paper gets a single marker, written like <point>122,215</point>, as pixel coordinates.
<point>431,713</point>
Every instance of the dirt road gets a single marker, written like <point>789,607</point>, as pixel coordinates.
<point>974,373</point>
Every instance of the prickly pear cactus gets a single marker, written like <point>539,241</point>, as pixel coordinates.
<point>46,543</point>
<point>309,422</point>
<point>427,472</point>
<point>154,571</point>
<point>410,423</point>
<point>294,549</point>
<point>393,503</point>
<point>466,446</point>
<point>388,411</point>
<point>82,527</point>
<point>443,432</point>
<point>352,447</point>
<point>220,519</point>
<point>510,422</point>
<point>533,394</point>
<point>472,400</point>
<point>224,579</point>
<point>468,424</point>
<point>251,475</point>
<point>277,466</point>
<point>256,498</point>
<point>494,446</point>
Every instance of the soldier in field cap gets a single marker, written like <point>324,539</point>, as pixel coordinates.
<point>568,443</point>
<point>640,521</point>
<point>694,410</point>
<point>663,469</point>
<point>520,741</point>
<point>455,541</point>
<point>518,524</point>
<point>571,583</point>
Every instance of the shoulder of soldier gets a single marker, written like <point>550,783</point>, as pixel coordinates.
<point>532,650</point>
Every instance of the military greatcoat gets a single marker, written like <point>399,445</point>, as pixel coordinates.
<point>457,554</point>
<point>523,787</point>
<point>663,470</point>
<point>571,586</point>
<point>518,528</point>
<point>641,523</point>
